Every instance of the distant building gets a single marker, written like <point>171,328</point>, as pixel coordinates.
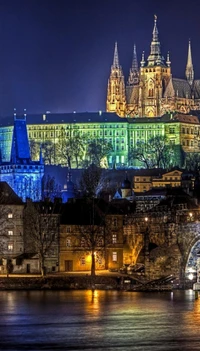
<point>151,91</point>
<point>182,131</point>
<point>11,229</point>
<point>21,173</point>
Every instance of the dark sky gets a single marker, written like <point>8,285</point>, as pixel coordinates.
<point>56,54</point>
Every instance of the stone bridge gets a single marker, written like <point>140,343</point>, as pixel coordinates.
<point>167,243</point>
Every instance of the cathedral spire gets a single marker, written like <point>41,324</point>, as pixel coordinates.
<point>155,57</point>
<point>116,57</point>
<point>155,30</point>
<point>135,61</point>
<point>116,97</point>
<point>189,72</point>
<point>134,73</point>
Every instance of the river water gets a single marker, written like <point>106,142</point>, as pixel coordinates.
<point>99,320</point>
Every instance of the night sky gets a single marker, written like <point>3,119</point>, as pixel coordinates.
<point>56,54</point>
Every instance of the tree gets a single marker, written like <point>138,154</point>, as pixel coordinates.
<point>70,148</point>
<point>155,152</point>
<point>34,149</point>
<point>50,189</point>
<point>41,226</point>
<point>98,150</point>
<point>91,232</point>
<point>91,181</point>
<point>192,162</point>
<point>48,152</point>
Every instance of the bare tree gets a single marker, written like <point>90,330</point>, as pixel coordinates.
<point>41,226</point>
<point>94,229</point>
<point>98,151</point>
<point>192,161</point>
<point>50,189</point>
<point>155,152</point>
<point>34,149</point>
<point>70,148</point>
<point>91,181</point>
<point>48,152</point>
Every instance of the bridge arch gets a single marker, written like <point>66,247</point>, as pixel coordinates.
<point>191,262</point>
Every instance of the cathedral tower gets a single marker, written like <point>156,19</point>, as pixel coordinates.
<point>189,72</point>
<point>116,98</point>
<point>154,77</point>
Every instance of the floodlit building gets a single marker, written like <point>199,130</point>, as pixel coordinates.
<point>20,172</point>
<point>151,90</point>
<point>182,131</point>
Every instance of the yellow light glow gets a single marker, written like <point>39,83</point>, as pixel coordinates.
<point>190,276</point>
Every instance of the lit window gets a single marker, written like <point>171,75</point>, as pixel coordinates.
<point>10,232</point>
<point>114,256</point>
<point>10,215</point>
<point>82,242</point>
<point>82,261</point>
<point>68,230</point>
<point>10,247</point>
<point>114,238</point>
<point>68,242</point>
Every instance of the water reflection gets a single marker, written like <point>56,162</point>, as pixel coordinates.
<point>99,320</point>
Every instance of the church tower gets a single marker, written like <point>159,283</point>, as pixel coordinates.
<point>116,97</point>
<point>189,72</point>
<point>154,77</point>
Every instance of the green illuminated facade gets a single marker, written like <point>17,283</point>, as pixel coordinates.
<point>123,133</point>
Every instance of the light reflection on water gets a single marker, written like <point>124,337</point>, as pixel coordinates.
<point>99,320</point>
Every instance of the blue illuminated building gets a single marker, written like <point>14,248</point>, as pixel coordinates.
<point>21,173</point>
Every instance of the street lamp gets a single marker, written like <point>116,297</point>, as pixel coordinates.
<point>191,216</point>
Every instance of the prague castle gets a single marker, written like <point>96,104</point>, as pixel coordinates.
<point>151,90</point>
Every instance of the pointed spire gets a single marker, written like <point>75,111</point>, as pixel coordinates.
<point>168,62</point>
<point>143,60</point>
<point>134,62</point>
<point>116,57</point>
<point>134,72</point>
<point>189,72</point>
<point>155,57</point>
<point>155,29</point>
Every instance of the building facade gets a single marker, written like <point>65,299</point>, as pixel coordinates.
<point>151,90</point>
<point>180,130</point>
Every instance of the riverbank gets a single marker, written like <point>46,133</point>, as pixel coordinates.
<point>76,283</point>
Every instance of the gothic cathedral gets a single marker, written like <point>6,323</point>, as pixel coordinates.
<point>151,90</point>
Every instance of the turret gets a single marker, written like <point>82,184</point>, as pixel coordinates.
<point>189,72</point>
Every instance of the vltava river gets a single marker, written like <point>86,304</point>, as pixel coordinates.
<point>103,320</point>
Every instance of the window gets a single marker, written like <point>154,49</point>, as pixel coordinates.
<point>114,256</point>
<point>10,247</point>
<point>82,261</point>
<point>10,215</point>
<point>114,238</point>
<point>68,230</point>
<point>114,222</point>
<point>68,242</point>
<point>82,242</point>
<point>10,232</point>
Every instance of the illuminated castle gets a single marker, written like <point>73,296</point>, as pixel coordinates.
<point>21,173</point>
<point>151,90</point>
